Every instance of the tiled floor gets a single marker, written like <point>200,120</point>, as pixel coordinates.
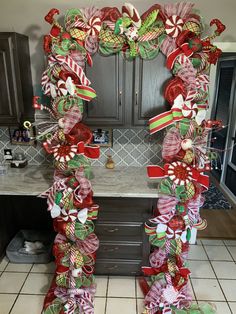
<point>213,278</point>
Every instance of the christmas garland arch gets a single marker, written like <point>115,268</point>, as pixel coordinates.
<point>175,30</point>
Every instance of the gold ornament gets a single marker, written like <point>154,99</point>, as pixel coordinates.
<point>188,157</point>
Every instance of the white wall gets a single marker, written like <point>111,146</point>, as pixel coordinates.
<point>27,17</point>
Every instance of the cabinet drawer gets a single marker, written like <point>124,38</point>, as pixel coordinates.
<point>119,216</point>
<point>118,249</point>
<point>118,267</point>
<point>125,205</point>
<point>111,229</point>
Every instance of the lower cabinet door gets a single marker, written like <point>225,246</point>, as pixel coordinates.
<point>108,249</point>
<point>118,267</point>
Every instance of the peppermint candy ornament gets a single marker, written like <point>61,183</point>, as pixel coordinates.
<point>189,109</point>
<point>174,25</point>
<point>180,173</point>
<point>170,294</point>
<point>94,26</point>
<point>64,152</point>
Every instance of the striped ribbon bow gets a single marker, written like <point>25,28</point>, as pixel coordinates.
<point>156,300</point>
<point>82,90</point>
<point>182,108</point>
<point>76,298</point>
<point>50,193</point>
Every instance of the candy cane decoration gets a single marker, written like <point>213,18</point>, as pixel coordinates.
<point>74,67</point>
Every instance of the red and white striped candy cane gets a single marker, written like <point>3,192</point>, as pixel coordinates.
<point>163,218</point>
<point>202,82</point>
<point>78,23</point>
<point>75,68</point>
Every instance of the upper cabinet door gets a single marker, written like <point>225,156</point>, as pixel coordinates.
<point>8,98</point>
<point>107,78</point>
<point>16,89</point>
<point>149,79</point>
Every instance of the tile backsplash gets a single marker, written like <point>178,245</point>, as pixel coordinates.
<point>131,147</point>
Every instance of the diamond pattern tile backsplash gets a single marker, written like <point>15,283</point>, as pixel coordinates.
<point>131,147</point>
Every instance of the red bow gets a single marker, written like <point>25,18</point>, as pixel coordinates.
<point>184,48</point>
<point>88,150</point>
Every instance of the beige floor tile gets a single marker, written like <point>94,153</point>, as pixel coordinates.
<point>6,302</point>
<point>229,288</point>
<point>233,307</point>
<point>31,304</point>
<point>218,253</point>
<point>212,242</point>
<point>139,291</point>
<point>197,252</point>
<point>100,304</point>
<point>232,250</point>
<point>37,284</point>
<point>222,308</point>
<point>225,270</point>
<point>3,263</point>
<point>230,242</point>
<point>118,306</point>
<point>11,282</point>
<point>22,268</point>
<point>207,289</point>
<point>44,268</point>
<point>101,282</point>
<point>140,305</point>
<point>201,269</point>
<point>121,287</point>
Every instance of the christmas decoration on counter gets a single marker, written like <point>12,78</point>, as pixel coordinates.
<point>176,31</point>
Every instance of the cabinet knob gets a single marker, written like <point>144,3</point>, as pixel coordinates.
<point>120,98</point>
<point>112,267</point>
<point>110,250</point>
<point>136,98</point>
<point>112,230</point>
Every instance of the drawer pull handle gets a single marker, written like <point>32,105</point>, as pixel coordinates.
<point>112,267</point>
<point>111,250</point>
<point>112,230</point>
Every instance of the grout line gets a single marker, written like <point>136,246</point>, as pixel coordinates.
<point>218,282</point>
<point>194,294</point>
<point>14,303</point>
<point>133,298</point>
<point>230,253</point>
<point>108,277</point>
<point>135,287</point>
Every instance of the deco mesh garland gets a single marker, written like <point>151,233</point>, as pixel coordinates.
<point>175,30</point>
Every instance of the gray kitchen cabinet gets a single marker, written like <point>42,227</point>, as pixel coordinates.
<point>21,212</point>
<point>128,92</point>
<point>107,78</point>
<point>16,89</point>
<point>149,79</point>
<point>124,246</point>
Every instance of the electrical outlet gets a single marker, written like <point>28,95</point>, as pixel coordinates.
<point>8,154</point>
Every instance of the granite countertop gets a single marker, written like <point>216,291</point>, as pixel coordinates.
<point>118,182</point>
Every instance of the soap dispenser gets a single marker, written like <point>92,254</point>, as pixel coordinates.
<point>110,164</point>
